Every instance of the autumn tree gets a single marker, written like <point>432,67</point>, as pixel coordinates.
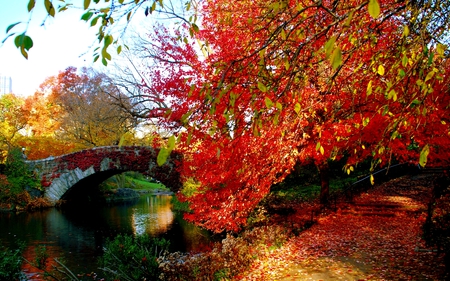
<point>279,82</point>
<point>40,135</point>
<point>89,115</point>
<point>13,119</point>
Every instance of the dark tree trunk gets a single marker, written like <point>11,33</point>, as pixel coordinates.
<point>324,172</point>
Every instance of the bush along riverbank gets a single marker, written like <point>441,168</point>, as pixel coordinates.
<point>20,190</point>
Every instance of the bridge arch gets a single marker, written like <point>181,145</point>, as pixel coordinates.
<point>59,174</point>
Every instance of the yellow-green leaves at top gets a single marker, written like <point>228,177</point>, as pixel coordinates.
<point>333,53</point>
<point>165,151</point>
<point>336,58</point>
<point>86,4</point>
<point>374,8</point>
<point>49,7</point>
<point>31,5</point>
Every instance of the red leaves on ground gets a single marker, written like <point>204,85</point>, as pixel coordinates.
<point>355,247</point>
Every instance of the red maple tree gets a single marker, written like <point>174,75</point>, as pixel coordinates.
<point>261,85</point>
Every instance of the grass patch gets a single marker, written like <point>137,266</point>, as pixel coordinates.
<point>147,185</point>
<point>132,180</point>
<point>290,191</point>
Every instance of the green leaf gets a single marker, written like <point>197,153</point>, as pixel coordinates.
<point>171,143</point>
<point>162,156</point>
<point>349,19</point>
<point>11,26</point>
<point>336,58</point>
<point>369,88</point>
<point>366,121</point>
<point>119,50</point>
<point>404,60</point>
<point>415,103</point>
<point>87,16</point>
<point>318,146</point>
<point>108,40</point>
<point>429,75</point>
<point>27,42</point>
<point>94,20</point>
<point>424,155</point>
<point>120,1</point>
<point>18,40</point>
<point>31,4</point>
<point>392,95</point>
<point>262,87</point>
<point>86,4</point>
<point>374,8</point>
<point>105,54</point>
<point>297,108</point>
<point>279,106</point>
<point>195,28</point>
<point>49,7</point>
<point>329,46</point>
<point>268,102</point>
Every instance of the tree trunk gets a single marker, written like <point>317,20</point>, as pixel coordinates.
<point>324,172</point>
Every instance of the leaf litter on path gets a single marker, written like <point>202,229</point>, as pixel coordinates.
<point>350,247</point>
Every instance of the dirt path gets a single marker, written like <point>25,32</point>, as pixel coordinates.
<point>377,237</point>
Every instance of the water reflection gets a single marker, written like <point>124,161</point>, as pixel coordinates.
<point>153,216</point>
<point>78,235</point>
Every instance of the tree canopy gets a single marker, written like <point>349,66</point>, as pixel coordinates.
<point>278,82</point>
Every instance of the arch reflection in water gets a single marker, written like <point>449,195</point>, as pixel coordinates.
<point>153,215</point>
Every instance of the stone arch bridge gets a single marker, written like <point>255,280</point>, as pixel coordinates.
<point>59,175</point>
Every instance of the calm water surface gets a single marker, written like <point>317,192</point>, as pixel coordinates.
<point>77,235</point>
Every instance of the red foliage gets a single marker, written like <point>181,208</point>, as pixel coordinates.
<point>264,96</point>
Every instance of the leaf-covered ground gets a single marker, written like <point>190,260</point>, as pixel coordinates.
<point>376,237</point>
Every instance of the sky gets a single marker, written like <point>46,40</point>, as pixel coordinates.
<point>62,42</point>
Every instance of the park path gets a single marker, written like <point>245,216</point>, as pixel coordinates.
<point>377,236</point>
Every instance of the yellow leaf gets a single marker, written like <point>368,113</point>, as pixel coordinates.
<point>380,70</point>
<point>374,8</point>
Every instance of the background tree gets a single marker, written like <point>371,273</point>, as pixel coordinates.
<point>90,116</point>
<point>13,119</point>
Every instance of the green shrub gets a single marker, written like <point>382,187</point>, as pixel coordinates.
<point>18,178</point>
<point>133,258</point>
<point>10,263</point>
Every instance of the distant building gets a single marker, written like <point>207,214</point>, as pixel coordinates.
<point>5,85</point>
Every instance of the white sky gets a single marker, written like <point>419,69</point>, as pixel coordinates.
<point>64,41</point>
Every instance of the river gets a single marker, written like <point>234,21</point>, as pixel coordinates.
<point>77,235</point>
